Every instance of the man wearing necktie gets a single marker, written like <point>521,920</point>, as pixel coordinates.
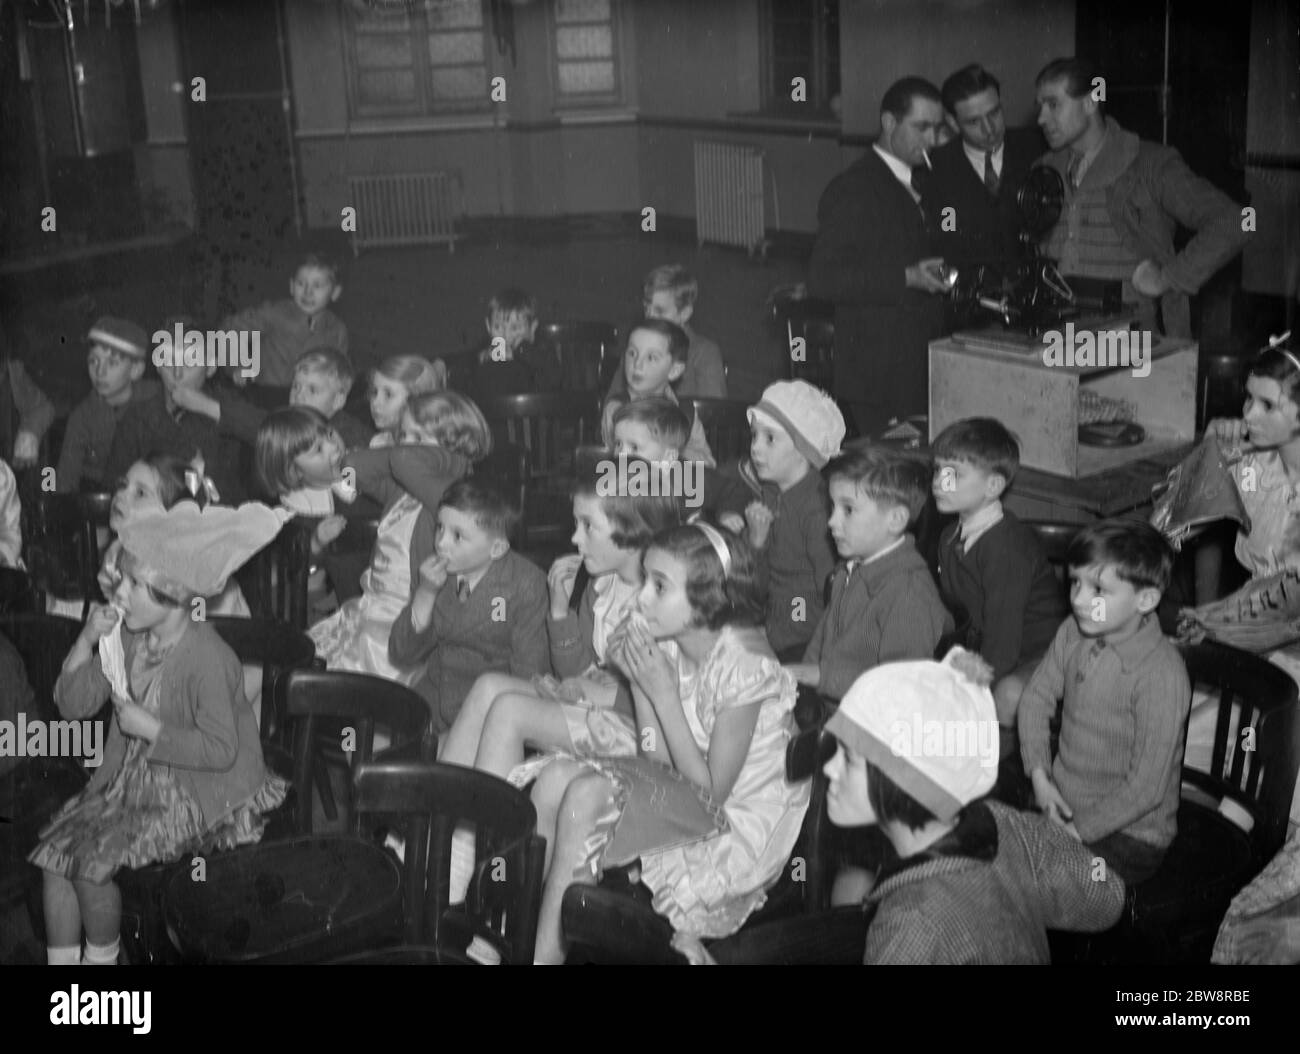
<point>1124,199</point>
<point>978,174</point>
<point>874,260</point>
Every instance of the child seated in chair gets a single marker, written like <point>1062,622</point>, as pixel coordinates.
<point>300,321</point>
<point>655,357</point>
<point>477,607</point>
<point>1115,781</point>
<point>796,430</point>
<point>714,712</point>
<point>657,430</point>
<point>322,379</point>
<point>884,606</point>
<point>511,363</point>
<point>118,356</point>
<point>670,293</point>
<point>992,569</point>
<point>182,769</point>
<point>971,882</point>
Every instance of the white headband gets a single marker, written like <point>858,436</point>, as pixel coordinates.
<point>719,544</point>
<point>1275,343</point>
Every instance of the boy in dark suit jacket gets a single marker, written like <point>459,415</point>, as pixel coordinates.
<point>478,606</point>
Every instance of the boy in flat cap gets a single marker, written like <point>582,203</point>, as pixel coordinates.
<point>119,352</point>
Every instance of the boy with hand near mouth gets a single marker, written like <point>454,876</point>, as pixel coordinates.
<point>1114,783</point>
<point>477,605</point>
<point>796,429</point>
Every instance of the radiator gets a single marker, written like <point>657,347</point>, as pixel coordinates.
<point>419,208</point>
<point>729,195</point>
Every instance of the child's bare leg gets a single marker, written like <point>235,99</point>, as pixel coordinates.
<point>851,886</point>
<point>62,912</point>
<point>516,720</point>
<point>547,793</point>
<point>460,744</point>
<point>101,911</point>
<point>587,797</point>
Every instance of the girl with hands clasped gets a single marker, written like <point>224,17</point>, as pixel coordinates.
<point>182,769</point>
<point>714,713</point>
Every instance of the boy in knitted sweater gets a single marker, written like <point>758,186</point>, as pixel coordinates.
<point>1114,783</point>
<point>884,605</point>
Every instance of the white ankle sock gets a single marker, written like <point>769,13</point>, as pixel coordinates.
<point>101,955</point>
<point>69,956</point>
<point>462,863</point>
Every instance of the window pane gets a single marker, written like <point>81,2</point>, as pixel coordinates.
<point>387,86</point>
<point>463,82</point>
<point>389,15</point>
<point>376,50</point>
<point>585,42</point>
<point>581,10</point>
<point>578,78</point>
<point>450,48</point>
<point>448,14</point>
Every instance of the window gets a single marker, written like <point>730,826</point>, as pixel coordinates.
<point>801,38</point>
<point>418,57</point>
<point>586,52</point>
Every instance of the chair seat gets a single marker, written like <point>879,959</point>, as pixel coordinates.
<point>407,955</point>
<point>272,903</point>
<point>1209,862</point>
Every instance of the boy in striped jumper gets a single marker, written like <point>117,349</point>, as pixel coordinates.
<point>1114,783</point>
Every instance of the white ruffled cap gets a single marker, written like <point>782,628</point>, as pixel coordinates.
<point>931,727</point>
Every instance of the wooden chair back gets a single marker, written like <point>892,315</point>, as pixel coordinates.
<point>503,902</point>
<point>317,700</point>
<point>64,552</point>
<point>548,427</point>
<point>278,574</point>
<point>588,353</point>
<point>1256,755</point>
<point>726,427</point>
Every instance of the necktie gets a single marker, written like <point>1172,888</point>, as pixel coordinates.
<point>1076,170</point>
<point>990,174</point>
<point>462,589</point>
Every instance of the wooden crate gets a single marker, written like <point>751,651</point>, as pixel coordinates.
<point>995,375</point>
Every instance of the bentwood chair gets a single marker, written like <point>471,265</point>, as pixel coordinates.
<point>614,921</point>
<point>726,427</point>
<point>588,353</point>
<point>813,322</point>
<point>323,896</point>
<point>63,553</point>
<point>312,896</point>
<point>548,427</point>
<point>1231,820</point>
<point>498,920</point>
<point>34,788</point>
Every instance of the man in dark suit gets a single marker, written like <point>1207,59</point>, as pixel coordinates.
<point>978,174</point>
<point>873,260</point>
